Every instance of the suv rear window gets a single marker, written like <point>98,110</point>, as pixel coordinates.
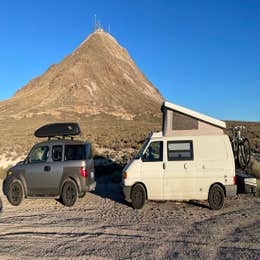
<point>75,152</point>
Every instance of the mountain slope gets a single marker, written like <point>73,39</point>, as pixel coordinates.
<point>98,77</point>
<point>97,85</point>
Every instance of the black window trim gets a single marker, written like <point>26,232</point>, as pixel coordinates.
<point>181,159</point>
<point>89,151</point>
<point>62,153</point>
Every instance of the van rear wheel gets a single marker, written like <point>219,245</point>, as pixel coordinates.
<point>15,192</point>
<point>216,197</point>
<point>69,193</point>
<point>138,196</point>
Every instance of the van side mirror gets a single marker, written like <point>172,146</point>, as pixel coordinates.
<point>144,157</point>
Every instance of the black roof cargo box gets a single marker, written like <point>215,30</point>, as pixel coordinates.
<point>58,129</point>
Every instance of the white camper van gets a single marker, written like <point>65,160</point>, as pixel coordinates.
<point>192,162</point>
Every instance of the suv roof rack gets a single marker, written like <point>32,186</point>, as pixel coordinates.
<point>63,137</point>
<point>58,130</point>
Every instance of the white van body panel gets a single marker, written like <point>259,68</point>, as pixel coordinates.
<point>152,175</point>
<point>213,165</point>
<point>180,180</point>
<point>212,162</point>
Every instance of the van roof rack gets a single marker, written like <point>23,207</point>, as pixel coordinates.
<point>58,130</point>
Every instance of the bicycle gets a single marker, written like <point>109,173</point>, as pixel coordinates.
<point>240,146</point>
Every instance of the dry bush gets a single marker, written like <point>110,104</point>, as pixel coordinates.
<point>254,168</point>
<point>3,171</point>
<point>8,155</point>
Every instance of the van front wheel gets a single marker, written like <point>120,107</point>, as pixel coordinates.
<point>216,197</point>
<point>138,196</point>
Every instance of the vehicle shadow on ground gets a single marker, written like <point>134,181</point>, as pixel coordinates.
<point>108,178</point>
<point>197,204</point>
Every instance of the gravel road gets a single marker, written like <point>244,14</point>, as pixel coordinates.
<point>103,226</point>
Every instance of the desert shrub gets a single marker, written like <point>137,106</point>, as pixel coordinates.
<point>107,169</point>
<point>106,166</point>
<point>8,155</point>
<point>117,176</point>
<point>125,159</point>
<point>254,168</point>
<point>3,171</point>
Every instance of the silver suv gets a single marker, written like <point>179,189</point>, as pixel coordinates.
<point>58,168</point>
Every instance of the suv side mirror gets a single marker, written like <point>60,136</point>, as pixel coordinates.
<point>20,163</point>
<point>26,160</point>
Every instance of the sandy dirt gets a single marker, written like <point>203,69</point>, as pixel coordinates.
<point>6,162</point>
<point>103,226</point>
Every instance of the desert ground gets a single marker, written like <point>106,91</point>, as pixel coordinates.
<point>103,226</point>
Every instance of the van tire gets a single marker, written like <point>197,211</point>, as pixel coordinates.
<point>216,197</point>
<point>69,194</point>
<point>15,192</point>
<point>138,196</point>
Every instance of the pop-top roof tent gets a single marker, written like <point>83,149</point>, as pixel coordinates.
<point>182,121</point>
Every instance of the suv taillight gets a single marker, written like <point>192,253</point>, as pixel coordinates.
<point>235,180</point>
<point>83,172</point>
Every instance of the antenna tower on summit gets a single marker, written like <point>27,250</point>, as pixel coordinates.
<point>98,26</point>
<point>95,23</point>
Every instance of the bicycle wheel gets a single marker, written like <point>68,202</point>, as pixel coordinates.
<point>244,153</point>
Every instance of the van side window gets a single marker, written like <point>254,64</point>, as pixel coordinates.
<point>180,150</point>
<point>154,153</point>
<point>57,153</point>
<point>39,154</point>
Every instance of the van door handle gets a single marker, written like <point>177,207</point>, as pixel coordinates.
<point>47,168</point>
<point>185,166</point>
<point>164,165</point>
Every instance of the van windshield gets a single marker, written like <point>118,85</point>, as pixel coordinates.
<point>141,151</point>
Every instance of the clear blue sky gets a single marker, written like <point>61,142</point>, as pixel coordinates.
<point>204,55</point>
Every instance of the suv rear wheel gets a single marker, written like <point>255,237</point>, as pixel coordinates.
<point>138,196</point>
<point>69,194</point>
<point>216,197</point>
<point>82,194</point>
<point>15,192</point>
